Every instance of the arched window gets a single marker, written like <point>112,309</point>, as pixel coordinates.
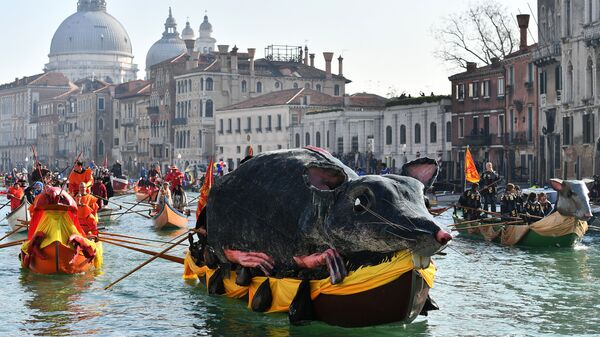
<point>189,85</point>
<point>402,134</point>
<point>244,86</point>
<point>101,124</point>
<point>589,86</point>
<point>307,139</point>
<point>336,90</point>
<point>318,86</point>
<point>297,140</point>
<point>258,87</point>
<point>100,148</point>
<point>417,133</point>
<point>448,131</point>
<point>209,84</point>
<point>295,85</point>
<point>388,135</point>
<point>307,85</point>
<point>318,139</point>
<point>432,132</point>
<point>209,108</point>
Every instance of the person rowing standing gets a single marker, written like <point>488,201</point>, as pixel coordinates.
<point>87,210</point>
<point>78,176</point>
<point>489,179</point>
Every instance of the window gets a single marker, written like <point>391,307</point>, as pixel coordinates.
<point>402,134</point>
<point>209,84</point>
<point>258,87</point>
<point>297,140</point>
<point>558,78</point>
<point>501,125</point>
<point>201,84</point>
<point>116,141</point>
<point>269,122</point>
<point>475,128</point>
<point>530,123</point>
<point>248,124</point>
<point>101,103</point>
<point>567,130</point>
<point>278,122</point>
<point>485,88</point>
<point>470,93</point>
<point>295,85</point>
<point>460,91</point>
<point>238,149</point>
<point>244,86</point>
<point>461,127</point>
<point>307,139</point>
<point>116,123</point>
<point>417,133</point>
<point>388,135</point>
<point>448,132</point>
<point>238,124</point>
<point>277,85</point>
<point>318,139</point>
<point>433,132</point>
<point>220,126</point>
<point>336,90</point>
<point>259,148</point>
<point>340,145</point>
<point>101,148</point>
<point>259,126</point>
<point>354,144</point>
<point>475,90</point>
<point>588,128</point>
<point>530,72</point>
<point>229,125</point>
<point>101,124</point>
<point>318,86</point>
<point>209,108</point>
<point>500,86</point>
<point>543,82</point>
<point>307,85</point>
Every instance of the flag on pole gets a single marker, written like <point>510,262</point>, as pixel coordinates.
<point>208,182</point>
<point>471,174</point>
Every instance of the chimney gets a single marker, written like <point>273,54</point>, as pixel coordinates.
<point>251,52</point>
<point>223,54</point>
<point>471,66</point>
<point>312,60</point>
<point>306,55</point>
<point>234,59</point>
<point>341,65</point>
<point>523,20</point>
<point>328,57</point>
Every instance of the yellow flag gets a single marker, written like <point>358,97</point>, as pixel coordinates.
<point>471,174</point>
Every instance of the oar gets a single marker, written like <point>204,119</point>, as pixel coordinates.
<point>156,256</point>
<point>488,212</point>
<point>134,237</point>
<point>132,242</point>
<point>132,207</point>
<point>143,204</point>
<point>5,205</point>
<point>513,223</point>
<point>112,202</point>
<point>193,199</point>
<point>11,232</point>
<point>12,244</point>
<point>122,213</point>
<point>149,252</point>
<point>471,221</point>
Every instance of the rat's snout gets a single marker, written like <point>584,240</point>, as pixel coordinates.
<point>443,237</point>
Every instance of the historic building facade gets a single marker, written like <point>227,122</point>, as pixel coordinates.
<point>92,44</point>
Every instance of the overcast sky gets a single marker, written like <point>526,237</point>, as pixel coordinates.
<point>385,43</point>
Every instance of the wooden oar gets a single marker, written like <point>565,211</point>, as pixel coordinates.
<point>11,232</point>
<point>5,204</point>
<point>12,244</point>
<point>123,213</point>
<point>193,199</point>
<point>134,237</point>
<point>507,223</point>
<point>488,212</point>
<point>132,242</point>
<point>107,200</point>
<point>156,256</point>
<point>130,208</point>
<point>162,256</point>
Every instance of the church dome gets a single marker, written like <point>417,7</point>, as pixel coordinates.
<point>188,32</point>
<point>91,30</point>
<point>170,45</point>
<point>205,25</point>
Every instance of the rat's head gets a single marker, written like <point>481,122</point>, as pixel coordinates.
<point>385,213</point>
<point>573,199</point>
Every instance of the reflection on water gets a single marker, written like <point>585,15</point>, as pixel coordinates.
<point>55,303</point>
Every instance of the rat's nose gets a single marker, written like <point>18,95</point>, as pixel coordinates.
<point>443,237</point>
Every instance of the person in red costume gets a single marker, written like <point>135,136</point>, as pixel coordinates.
<point>15,195</point>
<point>174,177</point>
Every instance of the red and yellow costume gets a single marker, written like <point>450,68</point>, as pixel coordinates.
<point>87,213</point>
<point>78,177</point>
<point>175,178</point>
<point>15,195</point>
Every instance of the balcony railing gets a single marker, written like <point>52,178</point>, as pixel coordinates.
<point>129,148</point>
<point>127,121</point>
<point>591,35</point>
<point>180,121</point>
<point>157,140</point>
<point>479,140</point>
<point>153,110</point>
<point>517,138</point>
<point>547,54</point>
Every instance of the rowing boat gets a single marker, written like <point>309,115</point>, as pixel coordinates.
<point>169,218</point>
<point>141,194</point>
<point>554,230</point>
<point>56,242</point>
<point>20,214</point>
<point>394,291</point>
<point>120,186</point>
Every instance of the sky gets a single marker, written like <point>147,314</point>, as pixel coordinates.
<point>386,44</point>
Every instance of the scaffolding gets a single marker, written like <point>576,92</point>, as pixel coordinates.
<point>284,53</point>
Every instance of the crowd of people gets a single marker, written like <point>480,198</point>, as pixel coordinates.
<point>169,188</point>
<point>481,200</point>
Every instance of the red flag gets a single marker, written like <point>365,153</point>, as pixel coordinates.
<point>208,182</point>
<point>471,174</point>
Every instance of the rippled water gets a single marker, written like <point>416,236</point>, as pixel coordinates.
<point>482,290</point>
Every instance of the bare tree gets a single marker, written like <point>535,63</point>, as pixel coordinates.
<point>481,33</point>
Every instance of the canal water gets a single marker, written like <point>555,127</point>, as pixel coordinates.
<point>482,290</point>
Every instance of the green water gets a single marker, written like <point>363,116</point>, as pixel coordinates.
<point>482,290</point>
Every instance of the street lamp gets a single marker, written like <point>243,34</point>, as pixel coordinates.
<point>179,159</point>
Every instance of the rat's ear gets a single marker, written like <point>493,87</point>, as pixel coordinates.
<point>424,170</point>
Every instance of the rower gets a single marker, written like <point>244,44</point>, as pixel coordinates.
<point>471,199</point>
<point>489,179</point>
<point>508,202</point>
<point>15,195</point>
<point>545,203</point>
<point>87,210</point>
<point>98,189</point>
<point>78,176</point>
<point>533,208</point>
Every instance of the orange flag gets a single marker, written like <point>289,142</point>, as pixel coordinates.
<point>208,182</point>
<point>471,174</point>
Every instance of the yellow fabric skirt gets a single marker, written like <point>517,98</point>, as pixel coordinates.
<point>284,289</point>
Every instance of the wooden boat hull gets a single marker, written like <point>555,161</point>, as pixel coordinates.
<point>169,218</point>
<point>21,213</point>
<point>531,239</point>
<point>120,186</point>
<point>143,196</point>
<point>57,261</point>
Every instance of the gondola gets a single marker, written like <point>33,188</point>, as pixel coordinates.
<point>18,216</point>
<point>120,185</point>
<point>169,218</point>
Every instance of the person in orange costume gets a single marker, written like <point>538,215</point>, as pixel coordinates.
<point>79,175</point>
<point>87,210</point>
<point>15,195</point>
<point>175,178</point>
